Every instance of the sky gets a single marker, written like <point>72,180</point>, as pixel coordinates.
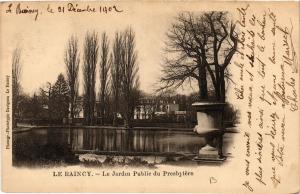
<point>43,41</point>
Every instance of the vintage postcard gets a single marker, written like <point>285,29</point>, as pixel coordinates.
<point>150,96</point>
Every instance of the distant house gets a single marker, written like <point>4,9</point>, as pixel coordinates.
<point>79,108</point>
<point>171,108</point>
<point>180,115</point>
<point>79,113</point>
<point>160,113</point>
<point>148,107</point>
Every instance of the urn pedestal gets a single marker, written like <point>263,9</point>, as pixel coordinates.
<point>210,126</point>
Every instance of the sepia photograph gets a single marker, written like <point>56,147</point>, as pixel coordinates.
<point>97,111</point>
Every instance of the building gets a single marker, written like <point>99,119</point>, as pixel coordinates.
<point>152,106</point>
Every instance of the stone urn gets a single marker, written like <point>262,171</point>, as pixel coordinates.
<point>210,126</point>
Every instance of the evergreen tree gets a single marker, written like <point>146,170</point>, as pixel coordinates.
<point>60,98</point>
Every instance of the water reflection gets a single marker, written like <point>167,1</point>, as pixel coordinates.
<point>135,141</point>
<point>57,144</point>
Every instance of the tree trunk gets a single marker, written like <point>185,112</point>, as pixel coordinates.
<point>218,82</point>
<point>127,117</point>
<point>72,103</point>
<point>202,82</point>
<point>102,115</point>
<point>71,120</point>
<point>126,122</point>
<point>102,109</point>
<point>72,110</point>
<point>116,107</point>
<point>86,112</point>
<point>115,119</point>
<point>222,86</point>
<point>217,91</point>
<point>91,112</point>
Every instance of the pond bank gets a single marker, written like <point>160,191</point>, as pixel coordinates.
<point>25,128</point>
<point>21,129</point>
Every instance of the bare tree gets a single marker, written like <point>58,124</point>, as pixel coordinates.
<point>16,85</point>
<point>105,64</point>
<point>223,46</point>
<point>116,74</point>
<point>90,58</point>
<point>72,67</point>
<point>130,78</point>
<point>197,45</point>
<point>47,98</point>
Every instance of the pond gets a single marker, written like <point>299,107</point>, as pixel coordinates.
<point>57,144</point>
